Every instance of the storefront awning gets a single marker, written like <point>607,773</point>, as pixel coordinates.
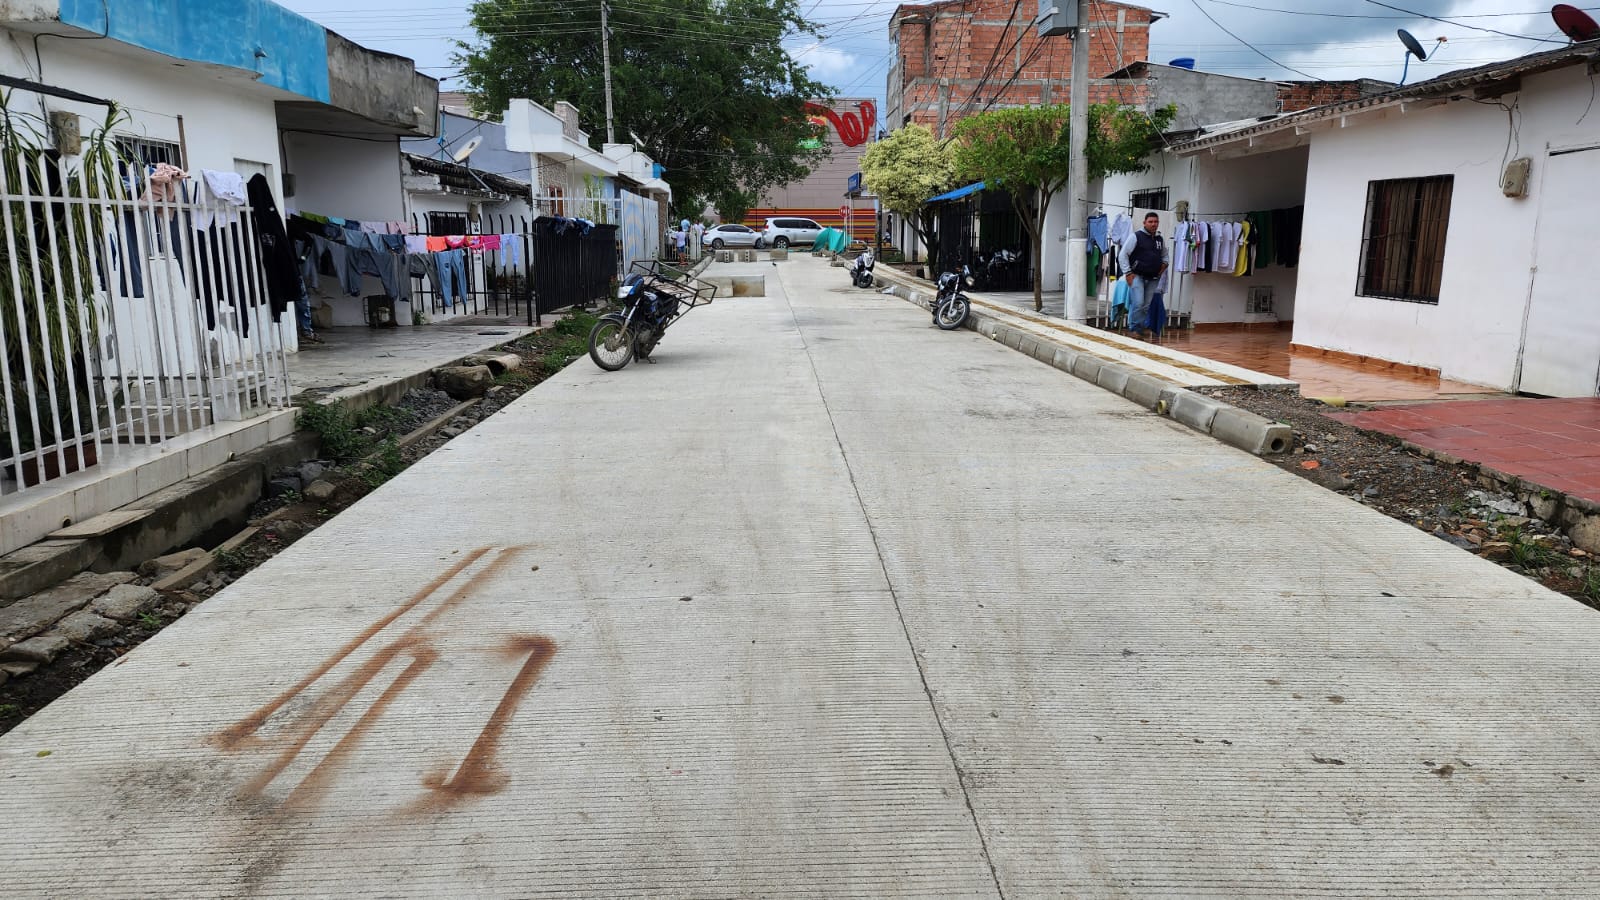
<point>958,193</point>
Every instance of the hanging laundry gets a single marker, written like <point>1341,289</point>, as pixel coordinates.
<point>416,244</point>
<point>165,184</point>
<point>1100,231</point>
<point>278,261</point>
<point>1180,247</point>
<point>227,190</point>
<point>1241,253</point>
<point>1121,227</point>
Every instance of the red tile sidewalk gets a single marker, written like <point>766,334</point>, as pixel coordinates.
<point>1554,443</point>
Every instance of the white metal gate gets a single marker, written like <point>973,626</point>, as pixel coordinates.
<point>122,320</point>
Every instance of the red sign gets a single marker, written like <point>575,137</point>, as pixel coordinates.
<point>854,128</point>
<point>844,211</point>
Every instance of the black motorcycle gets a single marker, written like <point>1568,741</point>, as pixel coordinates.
<point>951,305</point>
<point>653,296</point>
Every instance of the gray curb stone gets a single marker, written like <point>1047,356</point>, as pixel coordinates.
<point>1250,432</point>
<point>1144,390</point>
<point>1087,367</point>
<point>1195,410</point>
<point>1113,377</point>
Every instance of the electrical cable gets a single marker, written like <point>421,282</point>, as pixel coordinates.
<point>1241,40</point>
<point>1460,25</point>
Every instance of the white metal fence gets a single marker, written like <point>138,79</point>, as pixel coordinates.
<point>122,320</point>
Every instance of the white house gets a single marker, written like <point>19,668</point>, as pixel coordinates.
<point>1447,224</point>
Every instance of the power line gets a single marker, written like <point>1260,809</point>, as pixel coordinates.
<point>1460,25</point>
<point>1308,12</point>
<point>1259,52</point>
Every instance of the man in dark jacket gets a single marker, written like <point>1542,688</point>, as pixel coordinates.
<point>1144,258</point>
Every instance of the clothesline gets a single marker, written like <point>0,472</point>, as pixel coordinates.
<point>1190,213</point>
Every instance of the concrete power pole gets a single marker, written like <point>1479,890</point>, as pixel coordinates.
<point>605,53</point>
<point>1077,304</point>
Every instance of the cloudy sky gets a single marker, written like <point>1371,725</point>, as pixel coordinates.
<point>1321,38</point>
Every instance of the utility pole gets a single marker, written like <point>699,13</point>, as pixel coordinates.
<point>1076,305</point>
<point>605,54</point>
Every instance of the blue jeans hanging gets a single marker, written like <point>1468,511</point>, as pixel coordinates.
<point>452,263</point>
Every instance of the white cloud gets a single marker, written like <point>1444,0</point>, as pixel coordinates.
<point>826,63</point>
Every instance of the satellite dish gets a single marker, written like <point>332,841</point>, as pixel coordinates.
<point>1574,22</point>
<point>467,148</point>
<point>1414,48</point>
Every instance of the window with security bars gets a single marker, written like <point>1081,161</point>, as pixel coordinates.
<point>1402,245</point>
<point>445,223</point>
<point>150,152</point>
<point>1151,199</point>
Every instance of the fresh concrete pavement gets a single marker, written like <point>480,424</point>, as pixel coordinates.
<point>830,603</point>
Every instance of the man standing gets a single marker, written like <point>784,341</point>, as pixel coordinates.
<point>1144,259</point>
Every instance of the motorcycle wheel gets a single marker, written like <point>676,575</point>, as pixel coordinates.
<point>610,345</point>
<point>952,313</point>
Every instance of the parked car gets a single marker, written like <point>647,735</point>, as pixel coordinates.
<point>782,232</point>
<point>731,236</point>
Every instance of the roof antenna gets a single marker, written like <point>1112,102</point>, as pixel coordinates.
<point>1414,48</point>
<point>1575,23</point>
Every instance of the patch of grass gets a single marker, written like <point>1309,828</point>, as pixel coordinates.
<point>1591,584</point>
<point>384,418</point>
<point>1527,552</point>
<point>232,561</point>
<point>340,437</point>
<point>385,464</point>
<point>7,710</point>
<point>150,620</point>
<point>515,378</point>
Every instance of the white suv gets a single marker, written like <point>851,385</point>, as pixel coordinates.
<point>782,232</point>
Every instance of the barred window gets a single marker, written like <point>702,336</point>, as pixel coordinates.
<point>149,151</point>
<point>1153,198</point>
<point>1402,245</point>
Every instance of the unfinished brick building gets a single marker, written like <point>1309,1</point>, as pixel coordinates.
<point>959,57</point>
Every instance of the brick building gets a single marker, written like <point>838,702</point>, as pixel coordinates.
<point>956,58</point>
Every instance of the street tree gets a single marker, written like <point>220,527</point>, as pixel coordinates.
<point>906,168</point>
<point>703,86</point>
<point>1026,152</point>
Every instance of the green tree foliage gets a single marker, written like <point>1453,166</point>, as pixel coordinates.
<point>904,170</point>
<point>1026,152</point>
<point>703,86</point>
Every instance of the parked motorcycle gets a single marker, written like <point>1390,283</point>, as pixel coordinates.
<point>861,272</point>
<point>997,270</point>
<point>951,305</point>
<point>653,297</point>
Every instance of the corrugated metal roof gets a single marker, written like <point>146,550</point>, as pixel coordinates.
<point>1445,85</point>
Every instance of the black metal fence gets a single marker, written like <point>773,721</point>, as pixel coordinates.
<point>971,230</point>
<point>497,283</point>
<point>574,262</point>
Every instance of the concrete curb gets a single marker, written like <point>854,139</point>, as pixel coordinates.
<point>1208,415</point>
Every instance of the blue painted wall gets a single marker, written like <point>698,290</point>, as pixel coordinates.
<point>222,32</point>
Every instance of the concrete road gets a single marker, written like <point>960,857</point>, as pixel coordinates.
<point>829,603</point>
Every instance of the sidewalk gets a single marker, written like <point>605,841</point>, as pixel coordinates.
<point>357,362</point>
<point>1553,443</point>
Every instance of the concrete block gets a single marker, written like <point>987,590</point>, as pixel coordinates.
<point>498,363</point>
<point>1063,359</point>
<point>43,565</point>
<point>1027,344</point>
<point>1087,367</point>
<point>172,562</point>
<point>463,382</point>
<point>35,651</point>
<point>988,329</point>
<point>1250,432</point>
<point>1144,390</point>
<point>1011,337</point>
<point>1113,377</point>
<point>125,601</point>
<point>83,626</point>
<point>1195,410</point>
<point>724,256</point>
<point>31,615</point>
